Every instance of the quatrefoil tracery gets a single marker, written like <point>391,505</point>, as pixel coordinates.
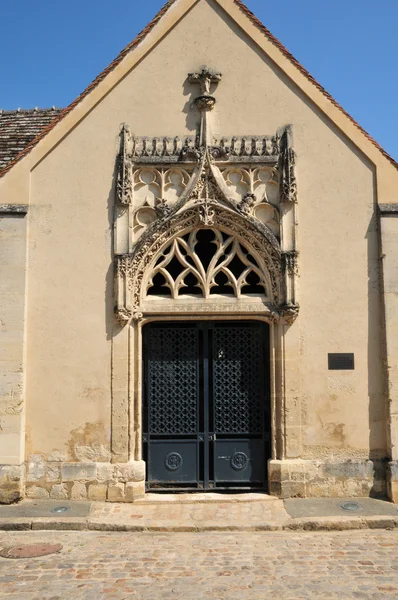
<point>205,262</point>
<point>152,185</point>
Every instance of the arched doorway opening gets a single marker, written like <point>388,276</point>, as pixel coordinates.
<point>206,383</point>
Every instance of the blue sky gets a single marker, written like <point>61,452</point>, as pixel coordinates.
<point>52,50</point>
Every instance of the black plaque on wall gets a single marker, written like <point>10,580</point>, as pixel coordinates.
<point>341,361</point>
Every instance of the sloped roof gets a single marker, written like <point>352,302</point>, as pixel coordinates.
<point>141,36</point>
<point>18,128</point>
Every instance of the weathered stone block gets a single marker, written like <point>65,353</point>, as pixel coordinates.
<point>11,473</point>
<point>105,472</point>
<point>393,469</point>
<point>275,488</point>
<point>116,492</point>
<point>8,496</point>
<point>133,471</point>
<point>79,491</point>
<point>78,471</point>
<point>135,490</point>
<point>378,489</point>
<point>349,469</point>
<point>296,470</point>
<point>59,492</point>
<point>293,489</point>
<point>313,470</point>
<point>53,472</point>
<point>274,471</point>
<point>393,491</point>
<point>92,453</point>
<point>318,490</point>
<point>16,473</point>
<point>36,492</point>
<point>57,456</point>
<point>3,475</point>
<point>97,491</point>
<point>35,468</point>
<point>12,481</point>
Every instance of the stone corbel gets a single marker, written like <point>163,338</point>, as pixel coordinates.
<point>124,314</point>
<point>289,313</point>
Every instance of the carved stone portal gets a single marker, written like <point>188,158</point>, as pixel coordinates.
<point>206,217</point>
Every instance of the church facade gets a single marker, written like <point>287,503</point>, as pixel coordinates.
<point>198,278</point>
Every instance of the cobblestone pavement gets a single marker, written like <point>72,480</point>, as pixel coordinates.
<point>193,566</point>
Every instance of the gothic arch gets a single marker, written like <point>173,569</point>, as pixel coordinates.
<point>134,269</point>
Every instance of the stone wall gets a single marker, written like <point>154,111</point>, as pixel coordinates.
<point>392,480</point>
<point>58,480</point>
<point>125,482</point>
<point>389,253</point>
<point>12,333</point>
<point>331,478</point>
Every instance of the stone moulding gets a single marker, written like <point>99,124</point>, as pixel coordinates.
<point>148,150</point>
<point>388,209</point>
<point>13,209</point>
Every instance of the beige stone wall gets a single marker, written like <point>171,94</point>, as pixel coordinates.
<point>389,246</point>
<point>12,324</point>
<point>70,312</point>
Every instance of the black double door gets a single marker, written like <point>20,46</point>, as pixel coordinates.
<point>206,418</point>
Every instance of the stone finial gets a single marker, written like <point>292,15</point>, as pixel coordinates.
<point>205,78</point>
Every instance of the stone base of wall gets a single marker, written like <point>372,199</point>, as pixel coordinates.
<point>329,478</point>
<point>392,481</point>
<point>125,482</point>
<point>12,483</point>
<point>119,482</point>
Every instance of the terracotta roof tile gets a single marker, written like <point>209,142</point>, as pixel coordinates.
<point>20,127</point>
<point>139,38</point>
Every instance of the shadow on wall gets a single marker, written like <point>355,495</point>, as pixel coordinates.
<point>109,277</point>
<point>376,358</point>
<point>192,119</point>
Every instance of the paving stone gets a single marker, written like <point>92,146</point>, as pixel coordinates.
<point>196,566</point>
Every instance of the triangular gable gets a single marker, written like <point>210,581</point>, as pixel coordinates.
<point>146,31</point>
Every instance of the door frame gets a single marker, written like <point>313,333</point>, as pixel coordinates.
<point>126,413</point>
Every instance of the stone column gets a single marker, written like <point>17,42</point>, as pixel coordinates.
<point>12,363</point>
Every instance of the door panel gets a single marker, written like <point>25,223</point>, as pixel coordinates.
<point>206,404</point>
<point>173,461</point>
<point>239,461</point>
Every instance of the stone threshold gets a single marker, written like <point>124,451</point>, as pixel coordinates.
<point>202,498</point>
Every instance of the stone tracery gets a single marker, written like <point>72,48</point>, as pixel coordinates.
<point>205,262</point>
<point>242,189</point>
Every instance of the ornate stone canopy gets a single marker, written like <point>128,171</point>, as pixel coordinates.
<point>170,191</point>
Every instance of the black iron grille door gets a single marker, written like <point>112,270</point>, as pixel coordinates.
<point>206,405</point>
